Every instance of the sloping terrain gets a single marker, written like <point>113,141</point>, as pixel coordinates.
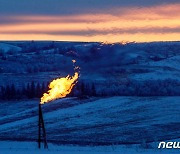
<point>42,62</point>
<point>95,121</point>
<point>4,47</point>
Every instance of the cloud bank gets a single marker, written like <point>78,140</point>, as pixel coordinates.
<point>107,21</point>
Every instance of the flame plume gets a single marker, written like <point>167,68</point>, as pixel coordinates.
<point>60,87</point>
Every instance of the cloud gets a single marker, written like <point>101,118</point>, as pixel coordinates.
<point>114,14</point>
<point>85,18</point>
<point>69,7</point>
<point>129,22</point>
<point>93,32</point>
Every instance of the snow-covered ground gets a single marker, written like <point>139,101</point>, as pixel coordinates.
<point>7,47</point>
<point>130,123</point>
<point>107,63</point>
<point>163,69</point>
<point>93,125</point>
<point>8,147</point>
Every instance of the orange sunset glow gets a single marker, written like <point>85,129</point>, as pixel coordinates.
<point>140,24</point>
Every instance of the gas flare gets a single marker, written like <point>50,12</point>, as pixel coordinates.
<point>73,61</point>
<point>61,87</point>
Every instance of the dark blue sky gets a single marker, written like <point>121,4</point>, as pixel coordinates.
<point>62,7</point>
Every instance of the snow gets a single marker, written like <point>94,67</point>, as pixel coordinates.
<point>93,125</point>
<point>6,47</point>
<point>163,69</point>
<point>9,147</point>
<point>28,67</point>
<point>158,74</point>
<point>172,62</point>
<point>94,121</point>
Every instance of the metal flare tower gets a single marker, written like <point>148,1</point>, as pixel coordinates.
<point>41,130</point>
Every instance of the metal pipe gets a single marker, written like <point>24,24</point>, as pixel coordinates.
<point>41,127</point>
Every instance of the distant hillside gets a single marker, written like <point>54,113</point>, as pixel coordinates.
<point>5,47</point>
<point>140,69</point>
<point>94,121</point>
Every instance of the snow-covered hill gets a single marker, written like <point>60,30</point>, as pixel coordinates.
<point>103,64</point>
<point>95,121</point>
<point>4,47</point>
<point>122,71</point>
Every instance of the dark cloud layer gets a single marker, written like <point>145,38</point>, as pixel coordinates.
<point>69,7</point>
<point>90,20</point>
<point>114,31</point>
<point>9,20</point>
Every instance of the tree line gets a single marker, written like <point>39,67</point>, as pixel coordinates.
<point>167,87</point>
<point>35,90</point>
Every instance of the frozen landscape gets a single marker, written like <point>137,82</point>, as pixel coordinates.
<point>31,147</point>
<point>89,76</point>
<point>134,123</point>
<point>132,69</point>
<point>126,99</point>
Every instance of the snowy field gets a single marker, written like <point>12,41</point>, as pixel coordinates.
<point>94,125</point>
<point>119,124</point>
<point>31,148</point>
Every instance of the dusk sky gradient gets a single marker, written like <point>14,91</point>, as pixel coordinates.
<point>90,20</point>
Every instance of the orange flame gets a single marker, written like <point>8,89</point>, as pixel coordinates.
<point>59,88</point>
<point>73,61</point>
